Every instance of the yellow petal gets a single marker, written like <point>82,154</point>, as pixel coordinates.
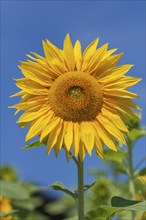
<point>49,127</point>
<point>108,53</point>
<point>87,136</point>
<point>32,87</point>
<point>69,53</point>
<point>107,64</point>
<point>30,116</point>
<point>76,139</point>
<point>121,107</point>
<point>90,49</point>
<point>95,60</point>
<point>58,145</point>
<point>52,139</point>
<point>55,52</point>
<point>17,94</point>
<point>38,125</point>
<point>78,54</point>
<point>68,139</point>
<point>35,75</point>
<point>111,128</point>
<point>97,142</point>
<point>124,82</point>
<point>119,92</point>
<point>82,151</point>
<point>106,137</point>
<point>88,53</point>
<point>115,119</point>
<point>118,101</point>
<point>116,71</point>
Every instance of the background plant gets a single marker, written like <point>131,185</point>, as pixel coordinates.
<point>120,184</point>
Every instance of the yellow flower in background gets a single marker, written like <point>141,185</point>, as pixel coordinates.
<point>75,100</point>
<point>5,206</point>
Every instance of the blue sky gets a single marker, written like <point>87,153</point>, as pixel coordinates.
<point>24,25</point>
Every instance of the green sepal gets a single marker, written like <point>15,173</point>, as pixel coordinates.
<point>60,186</point>
<point>136,133</point>
<point>33,145</point>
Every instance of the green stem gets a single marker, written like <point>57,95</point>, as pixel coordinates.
<point>131,176</point>
<point>80,190</point>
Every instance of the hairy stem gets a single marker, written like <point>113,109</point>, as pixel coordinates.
<point>80,190</point>
<point>131,176</point>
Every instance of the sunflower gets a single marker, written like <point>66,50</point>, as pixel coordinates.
<point>74,100</point>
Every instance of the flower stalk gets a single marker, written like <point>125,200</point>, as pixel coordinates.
<point>80,202</point>
<point>131,175</point>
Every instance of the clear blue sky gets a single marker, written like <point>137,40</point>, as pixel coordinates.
<point>24,25</point>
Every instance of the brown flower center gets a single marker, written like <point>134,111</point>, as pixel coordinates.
<point>76,96</point>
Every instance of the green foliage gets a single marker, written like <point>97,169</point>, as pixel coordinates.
<point>115,156</point>
<point>63,205</point>
<point>136,133</point>
<point>87,187</point>
<point>13,190</point>
<point>12,212</point>
<point>60,186</point>
<point>96,214</point>
<point>120,204</point>
<point>22,197</point>
<point>142,172</point>
<point>106,212</point>
<point>117,201</point>
<point>24,204</point>
<point>8,173</point>
<point>101,192</point>
<point>100,202</point>
<point>74,194</point>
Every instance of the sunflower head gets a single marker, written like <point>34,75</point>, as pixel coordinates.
<point>75,100</point>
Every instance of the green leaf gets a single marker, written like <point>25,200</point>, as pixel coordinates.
<point>111,211</point>
<point>96,214</point>
<point>31,188</point>
<point>86,187</point>
<point>12,212</point>
<point>24,204</point>
<point>13,190</point>
<point>142,172</point>
<point>33,145</point>
<point>36,216</point>
<point>136,133</point>
<point>117,201</point>
<point>120,204</point>
<point>60,186</point>
<point>115,156</point>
